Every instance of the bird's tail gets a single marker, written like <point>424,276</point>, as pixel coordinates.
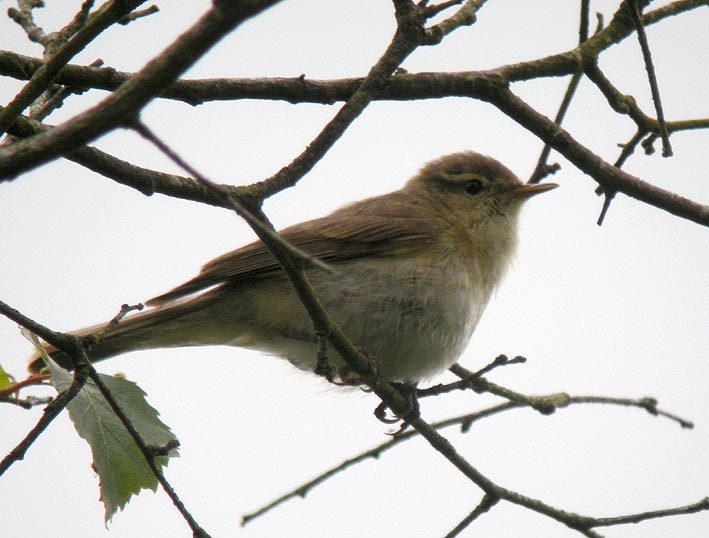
<point>178,324</point>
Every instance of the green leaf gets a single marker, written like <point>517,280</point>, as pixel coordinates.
<point>5,379</point>
<point>121,467</point>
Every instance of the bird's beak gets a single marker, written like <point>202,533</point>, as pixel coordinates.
<point>528,190</point>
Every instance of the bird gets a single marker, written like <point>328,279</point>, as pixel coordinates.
<point>411,274</point>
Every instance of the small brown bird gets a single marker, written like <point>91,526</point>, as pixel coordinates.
<point>413,272</point>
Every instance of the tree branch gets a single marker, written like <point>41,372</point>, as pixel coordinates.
<point>607,175</point>
<point>132,96</point>
<point>43,76</point>
<point>303,90</point>
<point>465,422</point>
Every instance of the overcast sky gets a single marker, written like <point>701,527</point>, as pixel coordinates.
<point>619,310</point>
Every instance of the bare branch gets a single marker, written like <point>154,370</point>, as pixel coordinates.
<point>607,175</point>
<point>700,506</point>
<point>581,523</point>
<point>302,259</point>
<point>23,16</point>
<point>542,169</point>
<point>467,378</point>
<point>43,77</point>
<point>56,406</point>
<point>485,504</point>
<point>465,16</point>
<point>59,340</point>
<point>139,14</point>
<point>408,36</point>
<point>127,102</point>
<point>650,68</point>
<point>300,90</point>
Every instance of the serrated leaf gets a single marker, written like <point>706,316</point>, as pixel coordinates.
<point>121,467</point>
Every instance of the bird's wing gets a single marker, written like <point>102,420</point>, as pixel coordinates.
<point>344,235</point>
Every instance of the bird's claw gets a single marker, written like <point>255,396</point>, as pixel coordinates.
<point>413,412</point>
<point>369,381</point>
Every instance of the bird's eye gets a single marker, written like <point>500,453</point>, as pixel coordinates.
<point>473,187</point>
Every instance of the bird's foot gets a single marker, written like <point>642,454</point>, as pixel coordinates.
<point>369,381</point>
<point>408,416</point>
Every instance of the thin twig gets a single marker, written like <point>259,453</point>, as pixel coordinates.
<point>299,90</point>
<point>408,36</point>
<point>647,403</point>
<point>125,104</point>
<point>56,100</point>
<point>608,196</point>
<point>374,453</point>
<point>700,506</point>
<point>139,14</point>
<point>432,11</point>
<point>584,21</point>
<point>465,422</point>
<point>73,26</point>
<point>546,405</point>
<point>465,16</point>
<point>31,381</point>
<point>467,380</point>
<point>604,173</point>
<point>29,402</point>
<point>23,16</point>
<point>485,504</point>
<point>650,68</point>
<point>627,150</point>
<point>42,78</point>
<point>52,411</point>
<point>542,169</point>
<point>261,227</point>
<point>57,339</point>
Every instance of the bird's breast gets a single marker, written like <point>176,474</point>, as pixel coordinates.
<point>415,316</point>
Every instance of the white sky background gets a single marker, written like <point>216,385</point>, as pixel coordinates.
<point>619,310</point>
